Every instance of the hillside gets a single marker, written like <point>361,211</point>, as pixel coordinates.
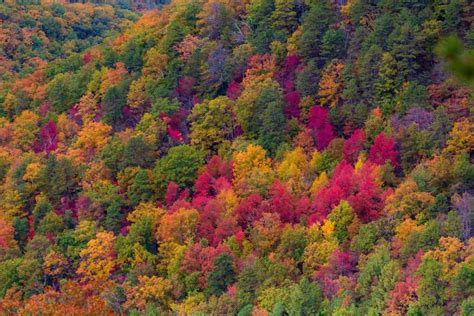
<point>237,157</point>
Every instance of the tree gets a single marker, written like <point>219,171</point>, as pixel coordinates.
<point>180,166</point>
<point>141,189</point>
<point>113,103</point>
<point>383,150</point>
<point>212,124</point>
<point>342,216</point>
<point>431,288</point>
<point>333,44</point>
<point>92,138</point>
<point>252,170</point>
<point>461,138</point>
<point>222,275</point>
<point>178,226</point>
<point>57,178</point>
<point>315,23</point>
<point>25,129</point>
<point>284,17</point>
<point>331,85</point>
<point>321,127</point>
<point>98,258</point>
<point>259,111</point>
<point>139,152</point>
<point>354,145</point>
<point>386,86</point>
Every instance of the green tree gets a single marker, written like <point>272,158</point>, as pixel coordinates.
<point>212,124</point>
<point>141,189</point>
<point>222,275</point>
<point>180,166</point>
<point>431,296</point>
<point>316,22</point>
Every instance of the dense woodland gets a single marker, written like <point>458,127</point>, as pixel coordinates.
<point>237,157</point>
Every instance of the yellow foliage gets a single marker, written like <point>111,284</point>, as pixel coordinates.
<point>137,95</point>
<point>111,77</point>
<point>407,227</point>
<point>92,138</point>
<point>292,46</point>
<point>461,138</point>
<point>178,226</point>
<point>317,254</point>
<point>54,264</point>
<point>331,85</point>
<point>360,162</point>
<point>252,170</point>
<point>320,182</point>
<point>314,159</point>
<point>98,258</point>
<point>11,205</point>
<point>25,129</point>
<point>170,255</point>
<point>146,209</point>
<point>151,289</point>
<point>293,168</point>
<point>450,253</point>
<point>328,229</point>
<point>229,201</point>
<point>87,107</point>
<point>408,200</point>
<point>155,64</point>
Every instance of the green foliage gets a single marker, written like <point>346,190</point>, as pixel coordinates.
<point>222,275</point>
<point>180,165</point>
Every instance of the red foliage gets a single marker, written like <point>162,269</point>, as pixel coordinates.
<point>234,90</point>
<point>203,185</point>
<point>216,177</point>
<point>292,108</point>
<point>184,89</point>
<point>404,291</point>
<point>287,73</point>
<point>86,58</point>
<point>281,202</point>
<point>320,126</point>
<point>354,145</point>
<point>171,193</point>
<point>175,134</point>
<point>249,210</point>
<point>201,259</point>
<point>208,219</point>
<point>383,149</point>
<point>44,109</point>
<point>220,168</point>
<point>225,229</point>
<point>48,138</point>
<point>359,189</point>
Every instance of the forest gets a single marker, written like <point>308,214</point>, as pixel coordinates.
<point>237,157</point>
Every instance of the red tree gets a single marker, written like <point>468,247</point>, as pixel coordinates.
<point>354,145</point>
<point>321,127</point>
<point>383,149</point>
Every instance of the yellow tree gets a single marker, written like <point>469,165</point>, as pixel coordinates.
<point>461,138</point>
<point>293,168</point>
<point>155,64</point>
<point>212,123</point>
<point>87,107</point>
<point>25,129</point>
<point>252,170</point>
<point>150,289</point>
<point>98,259</point>
<point>331,85</point>
<point>179,226</point>
<point>91,139</point>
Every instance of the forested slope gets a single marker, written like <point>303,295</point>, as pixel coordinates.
<point>238,157</point>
